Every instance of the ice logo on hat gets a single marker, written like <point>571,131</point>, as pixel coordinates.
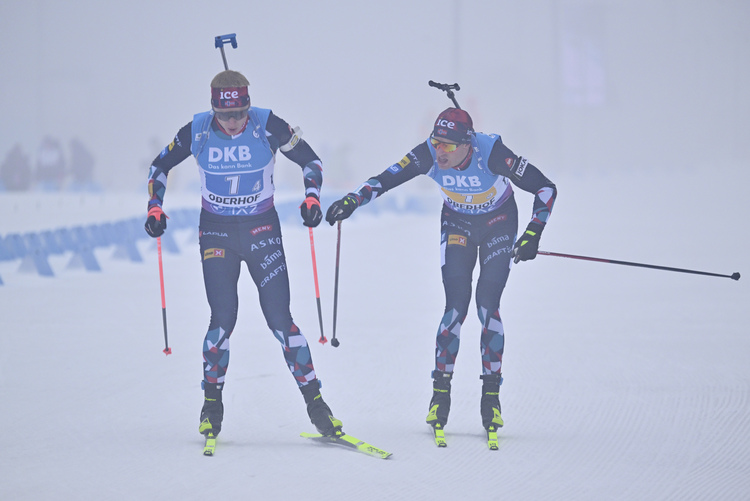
<point>441,122</point>
<point>229,97</point>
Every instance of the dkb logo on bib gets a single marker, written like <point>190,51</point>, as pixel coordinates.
<point>229,154</point>
<point>461,181</point>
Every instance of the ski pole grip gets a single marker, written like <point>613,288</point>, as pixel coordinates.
<point>445,87</point>
<point>220,40</point>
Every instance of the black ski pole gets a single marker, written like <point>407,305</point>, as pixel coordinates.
<point>334,341</point>
<point>448,88</point>
<point>219,42</point>
<point>733,276</point>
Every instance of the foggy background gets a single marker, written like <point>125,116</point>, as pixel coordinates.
<point>578,87</point>
<point>636,109</point>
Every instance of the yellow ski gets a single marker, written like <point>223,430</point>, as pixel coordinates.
<point>350,442</point>
<point>439,434</point>
<point>492,441</point>
<point>210,447</point>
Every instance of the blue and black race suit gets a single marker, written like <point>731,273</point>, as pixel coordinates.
<point>479,222</point>
<point>238,223</point>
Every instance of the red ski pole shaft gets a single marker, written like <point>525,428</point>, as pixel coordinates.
<point>167,350</point>
<point>733,276</point>
<point>322,339</point>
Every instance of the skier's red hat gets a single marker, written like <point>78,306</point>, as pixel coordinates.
<point>453,124</point>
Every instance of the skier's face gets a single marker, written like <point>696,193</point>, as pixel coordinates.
<point>232,121</point>
<point>449,159</point>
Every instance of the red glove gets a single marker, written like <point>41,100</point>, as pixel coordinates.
<point>311,212</point>
<point>156,221</point>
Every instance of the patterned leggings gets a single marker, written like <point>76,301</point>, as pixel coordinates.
<point>225,242</point>
<point>464,239</point>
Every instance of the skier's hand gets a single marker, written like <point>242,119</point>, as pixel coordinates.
<point>311,211</point>
<point>156,221</point>
<point>341,209</point>
<point>527,244</point>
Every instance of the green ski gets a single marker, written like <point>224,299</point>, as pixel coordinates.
<point>210,447</point>
<point>350,442</point>
<point>439,435</point>
<point>492,441</point>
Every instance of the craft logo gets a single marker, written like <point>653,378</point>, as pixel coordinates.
<point>259,229</point>
<point>457,240</point>
<point>508,249</point>
<point>213,252</point>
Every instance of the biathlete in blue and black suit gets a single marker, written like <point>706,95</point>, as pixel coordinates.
<point>235,146</point>
<point>475,173</point>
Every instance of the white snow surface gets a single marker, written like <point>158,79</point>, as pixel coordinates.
<point>620,382</point>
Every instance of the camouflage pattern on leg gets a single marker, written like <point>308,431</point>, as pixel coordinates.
<point>448,340</point>
<point>215,355</point>
<point>297,354</point>
<point>492,341</point>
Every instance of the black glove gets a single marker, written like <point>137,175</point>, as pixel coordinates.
<point>527,244</point>
<point>341,209</point>
<point>311,212</point>
<point>156,222</point>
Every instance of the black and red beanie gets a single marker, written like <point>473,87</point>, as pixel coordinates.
<point>454,124</point>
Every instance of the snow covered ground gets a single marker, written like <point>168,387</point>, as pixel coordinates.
<point>620,383</point>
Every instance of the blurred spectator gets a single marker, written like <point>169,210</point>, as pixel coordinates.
<point>50,165</point>
<point>16,170</point>
<point>81,166</point>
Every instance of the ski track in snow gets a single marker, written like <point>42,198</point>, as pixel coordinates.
<point>619,383</point>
